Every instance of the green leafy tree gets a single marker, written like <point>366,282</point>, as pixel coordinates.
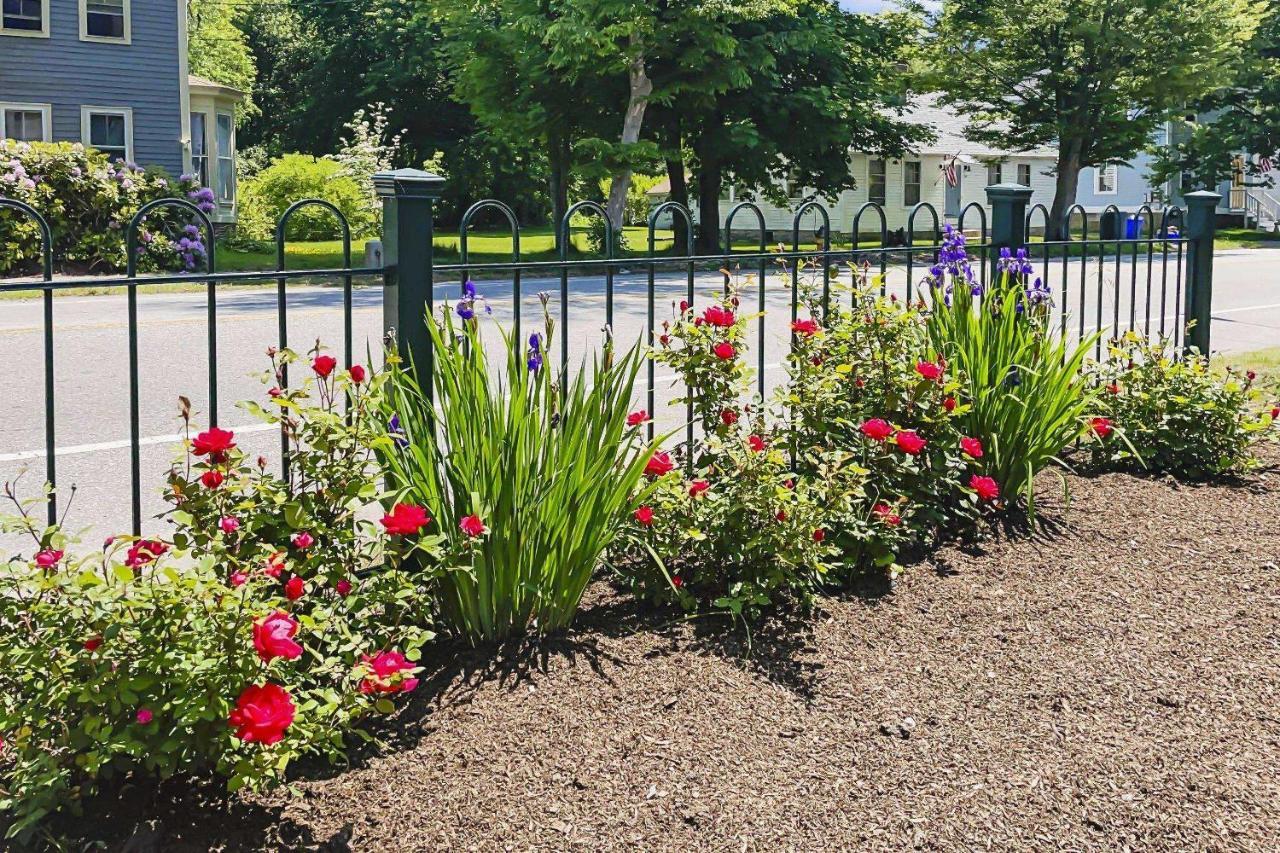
<point>1094,77</point>
<point>217,48</point>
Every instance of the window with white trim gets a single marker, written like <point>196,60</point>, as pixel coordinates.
<point>25,122</point>
<point>911,183</point>
<point>104,20</point>
<point>1024,174</point>
<point>876,181</point>
<point>24,17</point>
<point>1105,179</point>
<point>995,173</point>
<point>109,130</point>
<point>225,145</point>
<point>200,147</point>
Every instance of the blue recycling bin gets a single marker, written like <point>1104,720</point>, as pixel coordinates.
<point>1133,227</point>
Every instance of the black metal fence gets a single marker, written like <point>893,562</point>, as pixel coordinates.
<point>1156,279</point>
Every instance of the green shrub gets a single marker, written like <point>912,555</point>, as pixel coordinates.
<point>531,481</point>
<point>88,203</point>
<point>1027,398</point>
<point>150,658</point>
<point>265,197</point>
<point>1172,414</point>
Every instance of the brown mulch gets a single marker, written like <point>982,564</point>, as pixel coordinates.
<point>1110,681</point>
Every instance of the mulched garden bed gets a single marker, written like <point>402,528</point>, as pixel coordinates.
<point>1112,681</point>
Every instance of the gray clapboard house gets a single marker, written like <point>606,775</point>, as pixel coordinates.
<point>112,74</point>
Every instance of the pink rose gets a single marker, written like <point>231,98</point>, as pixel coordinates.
<point>273,637</point>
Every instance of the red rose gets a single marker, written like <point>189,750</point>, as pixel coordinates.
<point>972,447</point>
<point>387,672</point>
<point>805,327</point>
<point>275,392</point>
<point>876,429</point>
<point>665,340</point>
<point>886,514</point>
<point>659,463</point>
<point>1101,427</point>
<point>728,417</point>
<point>677,581</point>
<point>144,551</point>
<point>294,588</point>
<point>637,417</point>
<point>782,515</point>
<point>1113,388</point>
<point>819,535</point>
<point>697,487</point>
<point>644,515</point>
<point>756,443</point>
<point>1275,413</point>
<point>684,306</point>
<point>323,365</point>
<point>909,442</point>
<point>985,487</point>
<point>790,484</point>
<point>405,519</point>
<point>472,526</point>
<point>929,370</point>
<point>357,373</point>
<point>949,404</point>
<point>48,558</point>
<point>144,716</point>
<point>262,714</point>
<point>213,442</point>
<point>273,637</point>
<point>211,479</point>
<point>302,540</point>
<point>724,351</point>
<point>275,564</point>
<point>237,578</point>
<point>92,644</point>
<point>229,524</point>
<point>718,316</point>
<point>343,587</point>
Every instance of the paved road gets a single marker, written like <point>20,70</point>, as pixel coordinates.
<point>92,404</point>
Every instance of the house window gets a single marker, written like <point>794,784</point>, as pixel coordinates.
<point>911,183</point>
<point>1104,179</point>
<point>225,143</point>
<point>24,18</point>
<point>875,181</point>
<point>25,122</point>
<point>1024,174</point>
<point>200,147</point>
<point>995,174</point>
<point>108,129</point>
<point>104,20</point>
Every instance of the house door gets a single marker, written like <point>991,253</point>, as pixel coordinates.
<point>952,205</point>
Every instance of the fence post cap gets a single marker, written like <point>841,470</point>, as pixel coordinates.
<point>408,183</point>
<point>1202,198</point>
<point>1011,191</point>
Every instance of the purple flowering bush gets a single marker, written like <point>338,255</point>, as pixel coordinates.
<point>88,201</point>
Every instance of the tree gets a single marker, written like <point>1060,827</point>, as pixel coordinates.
<point>1094,77</point>
<point>1242,118</point>
<point>218,50</point>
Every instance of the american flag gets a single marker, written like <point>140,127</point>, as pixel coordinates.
<point>949,169</point>
<point>1264,164</point>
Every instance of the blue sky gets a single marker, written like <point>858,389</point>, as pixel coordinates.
<point>876,5</point>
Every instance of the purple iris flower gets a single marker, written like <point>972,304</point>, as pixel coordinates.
<point>397,432</point>
<point>535,352</point>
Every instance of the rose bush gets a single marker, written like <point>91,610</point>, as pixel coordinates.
<point>1174,414</point>
<point>275,617</point>
<point>88,201</point>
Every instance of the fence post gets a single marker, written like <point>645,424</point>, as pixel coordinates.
<point>1201,225</point>
<point>408,201</point>
<point>1008,219</point>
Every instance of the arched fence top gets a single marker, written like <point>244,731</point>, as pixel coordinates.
<point>464,225</point>
<point>728,224</point>
<point>982,219</point>
<point>811,204</point>
<point>1044,215</point>
<point>282,226</point>
<point>676,207</point>
<point>565,228</point>
<point>131,234</point>
<point>46,233</point>
<point>1172,215</point>
<point>1149,220</point>
<point>1084,221</point>
<point>911,222</point>
<point>857,222</point>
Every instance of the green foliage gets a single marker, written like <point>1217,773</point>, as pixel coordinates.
<point>265,198</point>
<point>88,203</point>
<point>1027,399</point>
<point>217,48</point>
<point>129,664</point>
<point>550,472</point>
<point>1173,414</point>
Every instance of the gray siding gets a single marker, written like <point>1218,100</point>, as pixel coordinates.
<point>68,73</point>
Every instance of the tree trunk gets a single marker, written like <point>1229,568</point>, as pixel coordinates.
<point>559,183</point>
<point>710,178</point>
<point>632,121</point>
<point>1064,192</point>
<point>679,193</point>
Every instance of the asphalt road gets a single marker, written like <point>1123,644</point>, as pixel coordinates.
<point>91,360</point>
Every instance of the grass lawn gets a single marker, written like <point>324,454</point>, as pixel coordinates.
<point>1246,238</point>
<point>1264,362</point>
